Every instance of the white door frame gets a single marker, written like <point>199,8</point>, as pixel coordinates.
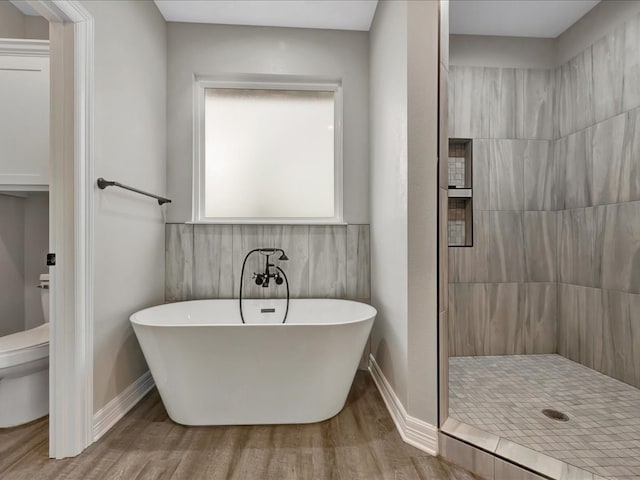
<point>71,226</point>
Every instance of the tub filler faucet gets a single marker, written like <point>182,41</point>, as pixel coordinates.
<point>263,279</point>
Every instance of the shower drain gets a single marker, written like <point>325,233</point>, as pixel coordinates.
<point>555,415</point>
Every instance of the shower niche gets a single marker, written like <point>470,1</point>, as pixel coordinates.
<point>460,211</point>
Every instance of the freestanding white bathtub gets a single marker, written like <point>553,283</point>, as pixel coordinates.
<point>210,369</point>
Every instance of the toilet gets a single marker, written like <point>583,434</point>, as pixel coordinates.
<point>24,370</point>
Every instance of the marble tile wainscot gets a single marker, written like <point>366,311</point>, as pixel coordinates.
<point>205,260</point>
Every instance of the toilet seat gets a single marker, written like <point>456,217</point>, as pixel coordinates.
<point>23,347</point>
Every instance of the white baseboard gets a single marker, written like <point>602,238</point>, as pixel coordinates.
<point>108,416</point>
<point>413,431</point>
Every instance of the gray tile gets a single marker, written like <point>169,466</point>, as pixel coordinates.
<point>618,245</point>
<point>540,191</point>
<point>582,89</point>
<point>578,261</point>
<point>294,240</point>
<point>563,103</point>
<point>443,139</point>
<point>358,268</point>
<point>579,314</point>
<point>443,253</point>
<point>540,243</point>
<point>617,342</point>
<point>505,470</point>
<point>178,262</point>
<point>213,265</point>
<point>467,456</point>
<point>328,261</point>
<point>616,159</point>
<point>480,166</point>
<point>573,157</point>
<point>506,174</point>
<point>608,165</point>
<point>471,119</point>
<point>537,311</point>
<point>608,61</point>
<point>483,319</point>
<point>503,101</point>
<point>630,91</point>
<point>538,104</point>
<point>470,264</point>
<point>504,244</point>
<point>245,239</point>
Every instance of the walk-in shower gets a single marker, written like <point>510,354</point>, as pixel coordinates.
<point>544,232</point>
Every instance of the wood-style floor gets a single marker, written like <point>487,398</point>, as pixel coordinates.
<point>359,443</point>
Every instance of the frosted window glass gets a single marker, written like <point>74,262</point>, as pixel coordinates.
<point>269,153</point>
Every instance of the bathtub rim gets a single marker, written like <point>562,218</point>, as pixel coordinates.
<point>373,313</point>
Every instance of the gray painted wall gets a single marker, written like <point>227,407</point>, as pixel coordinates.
<point>130,146</point>
<point>36,246</point>
<point>14,24</point>
<point>24,242</point>
<point>11,264</point>
<point>388,134</point>
<point>224,49</point>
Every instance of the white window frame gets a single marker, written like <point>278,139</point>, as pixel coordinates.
<point>263,82</point>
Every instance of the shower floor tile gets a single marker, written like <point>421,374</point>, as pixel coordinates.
<point>505,395</point>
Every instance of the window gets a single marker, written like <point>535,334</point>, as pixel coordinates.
<point>268,153</point>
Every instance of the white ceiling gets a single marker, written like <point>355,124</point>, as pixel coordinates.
<point>331,14</point>
<point>516,18</point>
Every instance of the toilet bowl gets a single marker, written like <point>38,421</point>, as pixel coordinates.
<point>24,370</point>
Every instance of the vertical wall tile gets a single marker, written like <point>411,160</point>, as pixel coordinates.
<point>563,103</point>
<point>611,169</point>
<point>540,243</point>
<point>538,93</point>
<point>480,163</point>
<point>579,313</point>
<point>540,191</point>
<point>608,70</point>
<point>483,319</point>
<point>213,265</point>
<point>630,91</point>
<point>443,253</point>
<point>473,459</point>
<point>578,261</point>
<point>358,253</point>
<point>471,121</point>
<point>537,311</point>
<point>574,163</point>
<point>503,101</point>
<point>582,89</point>
<point>178,262</point>
<point>617,343</point>
<point>245,239</point>
<point>294,240</point>
<point>506,174</point>
<point>327,261</point>
<point>443,138</point>
<point>505,246</point>
<point>470,264</point>
<point>618,245</point>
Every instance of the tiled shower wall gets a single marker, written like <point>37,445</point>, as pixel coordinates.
<point>502,296</point>
<point>205,261</point>
<point>598,150</point>
<point>556,261</point>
